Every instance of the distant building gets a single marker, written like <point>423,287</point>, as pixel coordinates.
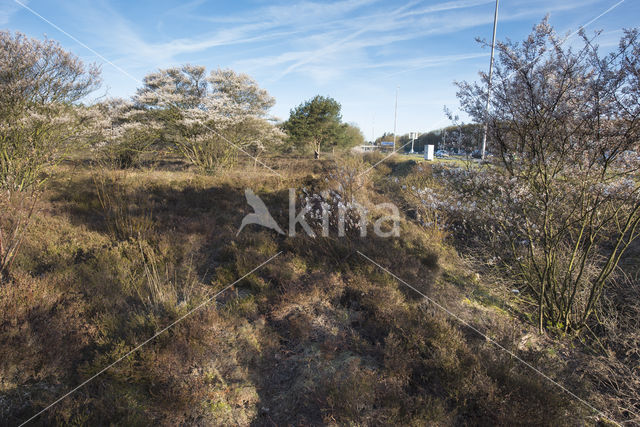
<point>364,148</point>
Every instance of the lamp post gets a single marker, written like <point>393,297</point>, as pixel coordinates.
<point>373,128</point>
<point>486,109</point>
<point>395,120</point>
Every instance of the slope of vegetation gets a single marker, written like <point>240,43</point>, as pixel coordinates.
<point>318,335</point>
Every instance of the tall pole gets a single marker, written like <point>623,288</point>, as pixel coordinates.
<point>373,128</point>
<point>486,109</point>
<point>395,120</point>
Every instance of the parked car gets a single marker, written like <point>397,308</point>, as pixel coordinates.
<point>442,153</point>
<point>477,154</point>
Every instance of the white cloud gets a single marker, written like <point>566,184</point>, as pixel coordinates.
<point>378,30</point>
<point>7,9</point>
<point>310,40</point>
<point>309,34</point>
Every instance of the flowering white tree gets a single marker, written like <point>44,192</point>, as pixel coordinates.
<point>561,200</point>
<point>208,119</point>
<point>127,132</point>
<point>39,123</point>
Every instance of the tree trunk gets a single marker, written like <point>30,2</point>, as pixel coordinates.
<point>316,150</point>
<point>2,259</point>
<point>541,308</point>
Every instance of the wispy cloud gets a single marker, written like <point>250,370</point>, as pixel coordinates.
<point>436,61</point>
<point>358,35</point>
<point>7,9</point>
<point>301,12</point>
<point>309,35</point>
<point>304,46</point>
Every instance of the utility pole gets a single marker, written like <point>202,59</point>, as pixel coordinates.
<point>395,120</point>
<point>373,128</point>
<point>486,109</point>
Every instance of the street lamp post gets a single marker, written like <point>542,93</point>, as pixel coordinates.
<point>373,128</point>
<point>395,120</point>
<point>486,110</point>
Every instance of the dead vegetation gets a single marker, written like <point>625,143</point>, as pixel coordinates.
<point>318,336</point>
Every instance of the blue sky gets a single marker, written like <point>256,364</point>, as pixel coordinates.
<point>356,51</point>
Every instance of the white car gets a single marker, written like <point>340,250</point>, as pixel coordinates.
<point>442,153</point>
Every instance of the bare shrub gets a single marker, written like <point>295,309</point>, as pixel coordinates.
<point>424,199</point>
<point>126,211</point>
<point>373,157</point>
<point>339,204</point>
<point>615,341</point>
<point>209,153</point>
<point>159,284</point>
<point>349,176</point>
<point>17,211</point>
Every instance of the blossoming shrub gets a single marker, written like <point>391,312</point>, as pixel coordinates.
<point>561,200</point>
<point>209,120</point>
<point>565,251</point>
<point>39,123</point>
<point>127,134</point>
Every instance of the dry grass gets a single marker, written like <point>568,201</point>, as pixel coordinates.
<point>319,336</point>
